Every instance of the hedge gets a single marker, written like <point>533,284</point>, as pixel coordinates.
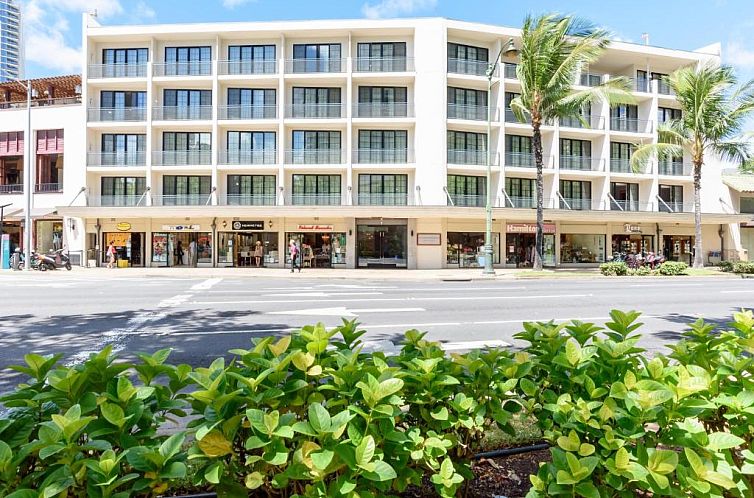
<point>619,268</point>
<point>312,415</point>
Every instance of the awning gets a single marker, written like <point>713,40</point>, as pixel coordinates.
<point>742,182</point>
<point>35,213</point>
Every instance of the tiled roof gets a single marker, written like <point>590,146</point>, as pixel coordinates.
<point>62,86</point>
<point>741,182</point>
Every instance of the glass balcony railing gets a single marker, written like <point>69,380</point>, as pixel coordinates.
<point>521,159</point>
<point>467,200</point>
<point>674,168</point>
<point>182,158</point>
<point>467,66</point>
<point>48,188</point>
<point>250,200</point>
<point>663,88</point>
<point>383,64</point>
<point>468,157</point>
<point>97,114</point>
<point>675,206</point>
<point>623,165</point>
<point>589,122</point>
<point>324,65</point>
<point>510,117</point>
<point>576,204</point>
<point>580,163</point>
<point>625,205</point>
<point>521,202</point>
<point>316,199</point>
<point>118,200</point>
<point>182,113</point>
<point>182,200</point>
<point>314,156</point>
<point>470,112</point>
<point>97,71</point>
<point>384,199</point>
<point>630,125</point>
<point>248,112</point>
<point>315,111</point>
<point>381,110</point>
<point>590,79</point>
<point>248,157</point>
<point>122,158</point>
<point>383,156</point>
<point>12,188</point>
<point>509,71</point>
<point>194,68</point>
<point>247,67</point>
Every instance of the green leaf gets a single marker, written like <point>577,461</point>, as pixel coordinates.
<point>723,441</point>
<point>388,387</point>
<point>113,414</point>
<point>365,451</point>
<point>570,443</point>
<point>5,454</point>
<point>587,490</point>
<point>622,458</point>
<point>215,445</point>
<point>172,445</point>
<point>662,461</point>
<point>382,471</point>
<point>573,352</point>
<point>281,346</point>
<point>586,449</point>
<point>528,387</point>
<point>440,414</point>
<point>254,480</point>
<point>719,479</point>
<point>321,459</point>
<point>564,478</point>
<point>176,470</point>
<point>319,418</point>
<point>212,474</point>
<point>696,462</point>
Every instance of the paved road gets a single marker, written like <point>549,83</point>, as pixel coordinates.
<point>201,318</point>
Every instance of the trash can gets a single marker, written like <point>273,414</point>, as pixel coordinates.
<point>713,257</point>
<point>122,263</point>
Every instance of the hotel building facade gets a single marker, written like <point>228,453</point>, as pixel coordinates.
<point>366,142</point>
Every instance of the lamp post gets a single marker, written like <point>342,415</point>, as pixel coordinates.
<point>2,221</point>
<point>27,175</point>
<point>508,49</point>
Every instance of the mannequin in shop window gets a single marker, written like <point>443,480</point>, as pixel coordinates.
<point>179,254</point>
<point>192,254</point>
<point>258,254</point>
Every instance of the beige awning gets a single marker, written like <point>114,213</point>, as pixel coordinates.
<point>742,182</point>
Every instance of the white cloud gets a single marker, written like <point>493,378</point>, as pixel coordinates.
<point>144,11</point>
<point>394,8</point>
<point>739,55</point>
<point>232,4</point>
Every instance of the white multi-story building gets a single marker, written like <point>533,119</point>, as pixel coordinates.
<point>11,47</point>
<point>366,141</point>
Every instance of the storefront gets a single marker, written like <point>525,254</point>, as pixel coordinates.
<point>320,245</point>
<point>129,246</point>
<point>577,248</point>
<point>632,241</point>
<point>181,245</point>
<point>238,248</point>
<point>466,249</point>
<point>520,240</point>
<point>382,243</point>
<point>48,235</point>
<point>678,248</point>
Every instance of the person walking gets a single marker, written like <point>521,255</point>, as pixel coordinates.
<point>111,255</point>
<point>295,256</point>
<point>179,254</point>
<point>258,253</point>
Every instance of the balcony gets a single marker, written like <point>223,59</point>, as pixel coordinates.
<point>182,113</point>
<point>627,205</point>
<point>182,200</point>
<point>580,163</point>
<point>252,67</point>
<point>248,157</point>
<point>232,112</point>
<point>198,68</point>
<point>630,125</point>
<point>663,88</point>
<point>623,165</point>
<point>465,200</point>
<point>303,66</point>
<point>48,188</point>
<point>575,204</point>
<point>383,156</point>
<point>102,114</point>
<point>641,85</point>
<point>464,66</point>
<point>674,168</point>
<point>467,157</point>
<point>182,158</point>
<point>590,122</point>
<point>118,200</point>
<point>315,111</point>
<point>387,199</point>
<point>509,71</point>
<point>674,206</point>
<point>383,64</point>
<point>314,156</point>
<point>250,200</point>
<point>382,110</point>
<point>97,71</point>
<point>42,102</point>
<point>13,188</point>
<point>521,202</point>
<point>523,160</point>
<point>472,112</point>
<point>116,159</point>
<point>590,79</point>
<point>316,199</point>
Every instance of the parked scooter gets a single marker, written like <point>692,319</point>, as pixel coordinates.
<point>54,260</point>
<point>19,261</point>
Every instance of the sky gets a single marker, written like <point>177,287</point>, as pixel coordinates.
<point>53,27</point>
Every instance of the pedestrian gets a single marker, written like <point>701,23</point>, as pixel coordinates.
<point>111,255</point>
<point>179,254</point>
<point>258,253</point>
<point>295,256</point>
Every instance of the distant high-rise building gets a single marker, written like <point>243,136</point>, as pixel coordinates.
<point>11,51</point>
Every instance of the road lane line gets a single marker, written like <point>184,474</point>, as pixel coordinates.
<point>392,289</point>
<point>737,291</point>
<point>324,294</point>
<point>206,285</point>
<point>387,299</point>
<point>343,311</point>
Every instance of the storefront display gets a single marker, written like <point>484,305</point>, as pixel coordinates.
<point>383,245</point>
<point>237,248</point>
<point>520,241</point>
<point>582,248</point>
<point>466,249</point>
<point>129,247</point>
<point>181,248</point>
<point>634,243</point>
<point>49,235</point>
<point>318,249</point>
<point>678,248</point>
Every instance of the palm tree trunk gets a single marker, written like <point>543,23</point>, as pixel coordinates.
<point>698,257</point>
<point>539,238</point>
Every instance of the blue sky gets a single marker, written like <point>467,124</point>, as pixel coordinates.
<point>53,27</point>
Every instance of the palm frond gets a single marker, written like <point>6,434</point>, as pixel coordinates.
<point>644,153</point>
<point>736,151</point>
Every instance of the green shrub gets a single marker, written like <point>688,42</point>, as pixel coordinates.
<point>726,266</point>
<point>672,268</point>
<point>614,269</point>
<point>641,271</point>
<point>743,267</point>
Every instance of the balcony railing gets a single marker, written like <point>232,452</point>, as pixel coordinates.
<point>250,200</point>
<point>663,88</point>
<point>243,157</point>
<point>298,66</point>
<point>316,199</point>
<point>576,204</point>
<point>388,199</point>
<point>383,156</point>
<point>465,66</point>
<point>590,79</point>
<point>13,188</point>
<point>42,102</point>
<point>182,113</point>
<point>198,68</point>
<point>97,71</point>
<point>590,122</point>
<point>48,188</point>
<point>118,200</point>
<point>182,157</point>
<point>96,114</point>
<point>509,71</point>
<point>472,112</point>
<point>630,125</point>
<point>463,200</point>
<point>624,166</point>
<point>262,66</point>
<point>315,111</point>
<point>521,159</point>
<point>510,117</point>
<point>248,112</point>
<point>470,157</point>
<point>521,202</point>
<point>627,205</point>
<point>383,64</point>
<point>674,168</point>
<point>122,158</point>
<point>580,163</point>
<point>181,200</point>
<point>641,85</point>
<point>314,156</point>
<point>675,206</point>
<point>381,110</point>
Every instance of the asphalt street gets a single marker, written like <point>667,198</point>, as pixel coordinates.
<point>201,318</point>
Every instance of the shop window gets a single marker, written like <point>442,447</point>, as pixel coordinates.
<point>466,249</point>
<point>582,248</point>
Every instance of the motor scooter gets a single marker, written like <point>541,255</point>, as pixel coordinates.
<point>54,260</point>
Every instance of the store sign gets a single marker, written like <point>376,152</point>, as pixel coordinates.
<point>123,226</point>
<point>629,228</point>
<point>315,228</point>
<point>549,228</point>
<point>248,225</point>
<point>428,239</point>
<point>181,228</point>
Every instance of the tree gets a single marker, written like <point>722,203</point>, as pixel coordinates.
<point>554,51</point>
<point>713,112</point>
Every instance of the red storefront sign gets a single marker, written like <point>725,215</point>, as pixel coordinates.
<point>315,228</point>
<point>549,228</point>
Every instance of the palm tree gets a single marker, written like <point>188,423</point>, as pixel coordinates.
<point>713,112</point>
<point>554,50</point>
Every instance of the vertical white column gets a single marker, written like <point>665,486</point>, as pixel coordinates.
<point>350,187</point>
<point>282,140</point>
<point>150,145</point>
<point>215,128</point>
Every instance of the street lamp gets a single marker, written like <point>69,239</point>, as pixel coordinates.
<point>509,49</point>
<point>27,174</point>
<point>2,221</point>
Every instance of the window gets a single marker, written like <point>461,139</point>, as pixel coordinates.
<point>252,103</point>
<point>625,196</point>
<point>316,147</point>
<point>123,149</point>
<point>642,82</point>
<point>381,56</point>
<point>518,151</point>
<point>465,103</point>
<point>251,147</point>
<point>383,146</point>
<point>577,194</point>
<point>465,147</point>
<point>582,248</point>
<point>467,59</point>
<point>187,104</point>
<point>747,205</point>
<point>509,116</point>
<point>251,59</point>
<point>123,100</point>
<point>317,58</point>
<point>191,61</point>
<point>467,190</point>
<point>122,190</point>
<point>620,157</point>
<point>575,154</point>
<point>665,114</point>
<point>186,148</point>
<point>186,190</point>
<point>383,101</point>
<point>624,118</point>
<point>522,192</point>
<point>672,196</point>
<point>317,190</point>
<point>112,56</point>
<point>316,102</point>
<point>258,190</point>
<point>662,83</point>
<point>383,190</point>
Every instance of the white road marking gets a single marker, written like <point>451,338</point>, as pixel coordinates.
<point>324,294</point>
<point>343,311</point>
<point>174,301</point>
<point>408,298</point>
<point>393,289</point>
<point>666,285</point>
<point>206,285</point>
<point>457,345</point>
<point>737,291</point>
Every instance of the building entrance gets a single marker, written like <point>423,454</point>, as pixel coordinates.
<point>678,248</point>
<point>129,248</point>
<point>382,245</point>
<point>318,249</point>
<point>190,249</point>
